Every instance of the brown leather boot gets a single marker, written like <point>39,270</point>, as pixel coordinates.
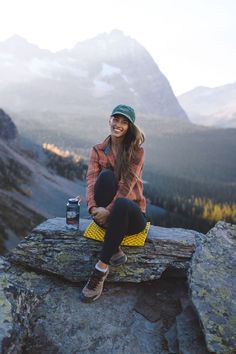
<point>94,286</point>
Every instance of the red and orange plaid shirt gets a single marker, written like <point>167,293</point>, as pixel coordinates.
<point>101,157</point>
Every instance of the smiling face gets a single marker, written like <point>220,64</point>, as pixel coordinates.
<point>119,126</point>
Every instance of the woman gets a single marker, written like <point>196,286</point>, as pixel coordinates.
<point>115,193</point>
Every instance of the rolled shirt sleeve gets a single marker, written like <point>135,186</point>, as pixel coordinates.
<point>92,173</point>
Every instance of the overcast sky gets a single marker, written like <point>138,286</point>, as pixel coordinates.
<point>192,41</point>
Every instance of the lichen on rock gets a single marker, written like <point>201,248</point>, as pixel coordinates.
<point>212,282</point>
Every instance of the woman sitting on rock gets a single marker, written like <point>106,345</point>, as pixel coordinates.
<point>115,193</point>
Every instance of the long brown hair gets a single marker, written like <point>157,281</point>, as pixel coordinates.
<point>127,152</point>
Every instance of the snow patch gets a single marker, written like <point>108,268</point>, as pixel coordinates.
<point>49,69</point>
<point>133,91</point>
<point>109,70</point>
<point>7,59</point>
<point>101,88</point>
<point>125,78</point>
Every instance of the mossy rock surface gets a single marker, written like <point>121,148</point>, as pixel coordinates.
<point>52,247</point>
<point>213,287</point>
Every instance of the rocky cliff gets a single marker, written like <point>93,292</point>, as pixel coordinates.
<point>8,130</point>
<point>41,311</point>
<point>29,192</point>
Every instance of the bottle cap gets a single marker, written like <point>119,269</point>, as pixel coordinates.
<point>73,200</point>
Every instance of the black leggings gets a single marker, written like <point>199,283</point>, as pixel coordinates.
<point>126,218</point>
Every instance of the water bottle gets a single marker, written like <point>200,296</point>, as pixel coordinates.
<point>73,213</point>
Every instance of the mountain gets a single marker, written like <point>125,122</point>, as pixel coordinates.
<point>29,192</point>
<point>21,48</point>
<point>8,130</point>
<point>211,106</point>
<point>88,79</point>
<point>66,99</point>
<point>17,58</point>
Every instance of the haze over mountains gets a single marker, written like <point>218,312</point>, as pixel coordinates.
<point>65,98</point>
<point>90,78</point>
<point>29,192</point>
<point>211,106</point>
<point>98,73</point>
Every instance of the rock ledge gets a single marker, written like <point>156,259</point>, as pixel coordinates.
<point>51,247</point>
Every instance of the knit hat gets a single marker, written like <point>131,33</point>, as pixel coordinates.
<point>126,111</point>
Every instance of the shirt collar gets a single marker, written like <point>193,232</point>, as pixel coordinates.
<point>105,146</point>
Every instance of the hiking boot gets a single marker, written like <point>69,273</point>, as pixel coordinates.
<point>118,258</point>
<point>94,286</point>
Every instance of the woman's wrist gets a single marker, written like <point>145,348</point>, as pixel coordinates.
<point>91,210</point>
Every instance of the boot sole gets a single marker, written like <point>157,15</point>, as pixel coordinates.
<point>88,299</point>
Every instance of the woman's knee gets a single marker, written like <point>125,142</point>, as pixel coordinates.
<point>106,175</point>
<point>121,203</point>
<point>125,205</point>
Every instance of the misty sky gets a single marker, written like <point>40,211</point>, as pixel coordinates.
<point>192,41</point>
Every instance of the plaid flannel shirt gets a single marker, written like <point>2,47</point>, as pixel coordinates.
<point>101,157</point>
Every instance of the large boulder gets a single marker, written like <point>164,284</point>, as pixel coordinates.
<point>43,314</point>
<point>212,282</point>
<point>35,305</point>
<point>20,294</point>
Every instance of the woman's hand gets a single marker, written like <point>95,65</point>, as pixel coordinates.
<point>100,215</point>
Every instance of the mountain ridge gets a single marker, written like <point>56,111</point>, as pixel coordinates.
<point>29,192</point>
<point>101,71</point>
<point>211,106</point>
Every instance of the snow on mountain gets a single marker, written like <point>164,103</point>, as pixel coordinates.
<point>109,70</point>
<point>99,72</point>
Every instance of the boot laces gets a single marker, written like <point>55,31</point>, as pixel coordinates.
<point>95,279</point>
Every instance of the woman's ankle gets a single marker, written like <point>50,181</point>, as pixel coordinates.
<point>101,266</point>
